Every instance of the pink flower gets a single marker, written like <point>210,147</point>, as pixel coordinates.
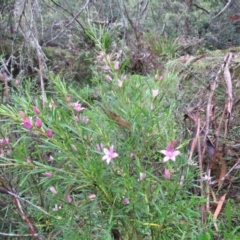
<point>132,156</point>
<point>109,154</point>
<point>123,77</point>
<point>106,68</point>
<point>27,123</point>
<point>109,78</point>
<point>92,196</point>
<point>116,65</point>
<point>170,153</point>
<point>142,176</point>
<point>36,110</point>
<point>38,123</point>
<point>49,133</point>
<point>120,83</point>
<point>108,58</point>
<point>157,78</point>
<point>51,159</point>
<point>53,190</point>
<point>84,119</point>
<point>69,199</point>
<point>4,141</point>
<point>101,55</point>
<point>100,147</point>
<point>68,98</point>
<point>77,107</point>
<point>17,82</point>
<point>155,93</point>
<point>56,208</point>
<point>126,201</point>
<point>167,173</point>
<point>48,174</point>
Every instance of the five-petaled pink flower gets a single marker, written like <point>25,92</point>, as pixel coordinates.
<point>170,153</point>
<point>109,154</point>
<point>77,106</point>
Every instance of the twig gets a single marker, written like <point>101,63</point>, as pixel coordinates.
<point>17,235</point>
<point>70,22</point>
<point>203,9</point>
<point>234,166</point>
<point>30,226</point>
<point>223,10</point>
<point>213,87</point>
<point>16,196</point>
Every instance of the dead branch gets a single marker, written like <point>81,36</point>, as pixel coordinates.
<point>70,22</point>
<point>223,10</point>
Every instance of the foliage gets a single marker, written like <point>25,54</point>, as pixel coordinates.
<point>108,159</point>
<point>81,195</point>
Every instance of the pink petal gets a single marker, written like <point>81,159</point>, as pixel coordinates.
<point>105,157</point>
<point>106,151</point>
<point>176,153</point>
<point>164,152</point>
<point>111,149</point>
<point>108,160</point>
<point>114,155</point>
<point>166,158</point>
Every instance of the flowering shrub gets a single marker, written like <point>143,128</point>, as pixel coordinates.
<point>98,167</point>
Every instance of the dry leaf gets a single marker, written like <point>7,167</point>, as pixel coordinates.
<point>223,168</point>
<point>120,121</point>
<point>218,210</point>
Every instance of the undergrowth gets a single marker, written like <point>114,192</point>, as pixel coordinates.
<point>106,162</point>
